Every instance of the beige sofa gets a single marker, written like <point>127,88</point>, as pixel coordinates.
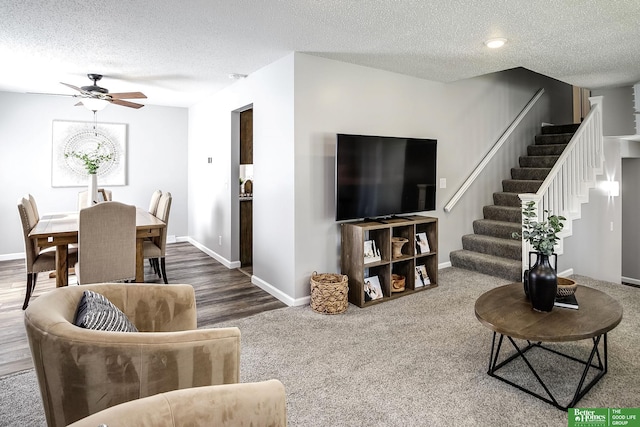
<point>81,371</point>
<point>247,404</point>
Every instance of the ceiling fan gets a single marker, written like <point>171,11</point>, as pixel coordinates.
<point>96,98</point>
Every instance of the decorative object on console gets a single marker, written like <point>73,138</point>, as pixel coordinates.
<point>542,236</point>
<point>397,243</point>
<point>397,283</point>
<point>248,187</point>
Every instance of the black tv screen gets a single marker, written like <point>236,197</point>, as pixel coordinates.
<point>384,176</point>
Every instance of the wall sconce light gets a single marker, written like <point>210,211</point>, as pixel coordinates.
<point>611,188</point>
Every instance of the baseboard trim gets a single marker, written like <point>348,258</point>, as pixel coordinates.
<point>566,273</point>
<point>222,260</point>
<point>11,257</point>
<point>277,293</point>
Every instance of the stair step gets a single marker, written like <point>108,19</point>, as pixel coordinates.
<point>491,249</point>
<point>502,198</point>
<point>530,173</point>
<point>546,150</point>
<point>521,185</point>
<point>501,229</point>
<point>556,138</point>
<point>495,266</point>
<point>566,128</point>
<point>538,161</point>
<point>503,213</point>
<point>504,248</point>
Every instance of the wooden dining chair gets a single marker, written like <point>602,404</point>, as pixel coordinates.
<point>106,243</point>
<point>153,205</point>
<point>103,196</point>
<point>155,249</point>
<point>37,260</point>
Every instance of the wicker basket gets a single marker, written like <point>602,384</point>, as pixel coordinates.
<point>329,293</point>
<point>566,287</point>
<point>397,283</point>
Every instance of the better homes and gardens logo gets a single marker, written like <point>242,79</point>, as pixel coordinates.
<point>603,417</point>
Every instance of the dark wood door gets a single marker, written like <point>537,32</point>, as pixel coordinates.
<point>246,137</point>
<point>246,232</point>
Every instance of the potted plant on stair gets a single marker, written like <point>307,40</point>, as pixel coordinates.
<point>542,236</point>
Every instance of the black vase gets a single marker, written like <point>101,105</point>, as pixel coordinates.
<point>543,284</point>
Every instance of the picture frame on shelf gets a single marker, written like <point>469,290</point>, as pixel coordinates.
<point>372,288</point>
<point>422,278</point>
<point>371,252</point>
<point>422,243</point>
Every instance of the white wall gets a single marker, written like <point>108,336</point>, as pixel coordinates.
<point>156,149</point>
<point>595,248</point>
<point>213,188</point>
<point>294,228</point>
<point>466,118</point>
<point>618,118</point>
<point>630,208</point>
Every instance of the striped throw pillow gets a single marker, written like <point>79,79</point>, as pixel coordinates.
<point>96,312</point>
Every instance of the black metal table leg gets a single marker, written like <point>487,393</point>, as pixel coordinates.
<point>520,352</point>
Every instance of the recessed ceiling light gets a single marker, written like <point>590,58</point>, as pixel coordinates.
<point>495,43</point>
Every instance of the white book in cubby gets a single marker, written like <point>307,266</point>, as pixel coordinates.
<point>422,244</point>
<point>422,278</point>
<point>371,252</point>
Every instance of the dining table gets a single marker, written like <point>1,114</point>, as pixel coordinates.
<point>60,230</point>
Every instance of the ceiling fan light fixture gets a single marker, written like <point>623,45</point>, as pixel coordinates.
<point>94,104</point>
<point>495,43</point>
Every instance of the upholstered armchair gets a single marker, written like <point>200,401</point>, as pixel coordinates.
<point>246,404</point>
<point>82,371</point>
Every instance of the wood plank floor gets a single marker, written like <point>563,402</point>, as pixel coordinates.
<point>221,294</point>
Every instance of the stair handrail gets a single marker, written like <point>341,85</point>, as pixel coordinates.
<point>563,190</point>
<point>492,152</point>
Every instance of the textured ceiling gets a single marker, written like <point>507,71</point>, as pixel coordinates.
<point>177,52</point>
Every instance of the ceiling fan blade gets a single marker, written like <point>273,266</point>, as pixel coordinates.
<point>53,94</point>
<point>72,86</point>
<point>83,93</point>
<point>126,103</point>
<point>127,95</point>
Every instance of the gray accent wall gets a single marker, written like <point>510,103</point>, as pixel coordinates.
<point>300,103</point>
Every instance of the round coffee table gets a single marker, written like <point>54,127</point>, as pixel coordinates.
<point>507,312</point>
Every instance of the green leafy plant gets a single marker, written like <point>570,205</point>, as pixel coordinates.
<point>541,235</point>
<point>92,160</point>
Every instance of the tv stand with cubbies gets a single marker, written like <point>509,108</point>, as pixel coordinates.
<point>381,231</point>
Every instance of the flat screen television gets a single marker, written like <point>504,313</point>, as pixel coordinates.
<point>379,176</point>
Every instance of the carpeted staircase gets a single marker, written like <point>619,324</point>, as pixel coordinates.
<point>491,249</point>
